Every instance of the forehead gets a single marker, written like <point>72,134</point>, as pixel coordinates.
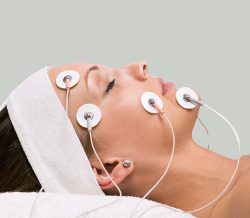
<point>82,68</point>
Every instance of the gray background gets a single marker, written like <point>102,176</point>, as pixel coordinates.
<point>201,44</point>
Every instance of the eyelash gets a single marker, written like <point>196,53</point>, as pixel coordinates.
<point>110,85</point>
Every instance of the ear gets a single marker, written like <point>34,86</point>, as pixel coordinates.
<point>116,171</point>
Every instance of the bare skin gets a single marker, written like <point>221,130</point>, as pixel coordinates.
<point>126,131</point>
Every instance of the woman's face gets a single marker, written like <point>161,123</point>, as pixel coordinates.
<point>126,130</point>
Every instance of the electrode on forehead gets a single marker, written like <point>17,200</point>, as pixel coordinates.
<point>148,99</point>
<point>184,96</point>
<point>72,75</point>
<point>88,111</point>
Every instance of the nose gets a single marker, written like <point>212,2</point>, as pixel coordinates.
<point>139,70</point>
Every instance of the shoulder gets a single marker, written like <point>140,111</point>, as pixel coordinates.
<point>236,202</point>
<point>245,171</point>
<point>240,199</point>
<point>243,185</point>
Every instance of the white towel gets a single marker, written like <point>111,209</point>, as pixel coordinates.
<point>64,205</point>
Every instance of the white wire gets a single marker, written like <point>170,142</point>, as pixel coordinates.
<point>237,165</point>
<point>166,170</point>
<point>93,147</point>
<point>119,190</point>
<point>170,160</point>
<point>234,173</point>
<point>67,101</point>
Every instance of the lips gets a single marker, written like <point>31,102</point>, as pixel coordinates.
<point>165,86</point>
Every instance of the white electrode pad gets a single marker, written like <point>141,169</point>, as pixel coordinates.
<point>180,97</point>
<point>145,102</point>
<point>96,112</point>
<point>73,75</point>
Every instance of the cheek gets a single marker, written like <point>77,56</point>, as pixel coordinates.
<point>129,129</point>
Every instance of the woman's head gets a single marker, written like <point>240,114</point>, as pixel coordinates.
<point>126,130</point>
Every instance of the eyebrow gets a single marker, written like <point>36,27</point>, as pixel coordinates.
<point>95,67</point>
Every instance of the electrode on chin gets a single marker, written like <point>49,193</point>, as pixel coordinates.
<point>187,98</point>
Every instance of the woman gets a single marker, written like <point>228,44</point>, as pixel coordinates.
<point>126,131</point>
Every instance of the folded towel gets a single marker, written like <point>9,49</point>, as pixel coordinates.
<point>48,204</point>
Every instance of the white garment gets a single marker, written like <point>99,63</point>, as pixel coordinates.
<point>64,205</point>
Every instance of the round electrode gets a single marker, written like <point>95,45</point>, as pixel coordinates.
<point>181,92</point>
<point>146,98</point>
<point>91,109</point>
<point>72,75</point>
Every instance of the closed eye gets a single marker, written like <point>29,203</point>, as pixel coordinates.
<point>110,86</point>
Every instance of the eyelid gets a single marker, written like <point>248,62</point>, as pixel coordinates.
<point>109,84</point>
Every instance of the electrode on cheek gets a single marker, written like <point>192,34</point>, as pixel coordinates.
<point>151,102</point>
<point>88,116</point>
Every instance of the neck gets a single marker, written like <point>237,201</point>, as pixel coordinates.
<point>195,177</point>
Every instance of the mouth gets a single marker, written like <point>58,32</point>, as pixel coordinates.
<point>165,86</point>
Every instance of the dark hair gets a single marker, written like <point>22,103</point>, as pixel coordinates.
<point>16,174</point>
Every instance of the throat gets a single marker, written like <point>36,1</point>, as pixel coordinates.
<point>194,180</point>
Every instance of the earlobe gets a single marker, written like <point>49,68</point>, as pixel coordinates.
<point>118,174</point>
